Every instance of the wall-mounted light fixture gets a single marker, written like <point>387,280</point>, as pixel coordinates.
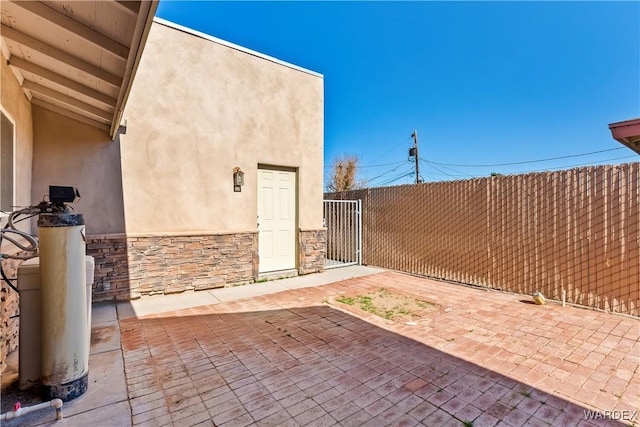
<point>238,179</point>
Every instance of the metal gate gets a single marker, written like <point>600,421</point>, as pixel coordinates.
<point>343,220</point>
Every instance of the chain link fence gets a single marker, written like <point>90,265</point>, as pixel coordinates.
<point>576,230</point>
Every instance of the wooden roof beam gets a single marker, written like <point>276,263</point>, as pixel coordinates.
<point>131,7</point>
<point>58,55</point>
<point>66,99</point>
<point>48,75</point>
<point>145,14</point>
<point>70,114</point>
<point>69,24</point>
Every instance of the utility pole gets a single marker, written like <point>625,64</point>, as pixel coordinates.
<point>413,152</point>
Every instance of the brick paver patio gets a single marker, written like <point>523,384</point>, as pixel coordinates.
<point>290,359</point>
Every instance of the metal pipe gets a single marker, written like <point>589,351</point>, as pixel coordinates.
<point>55,403</point>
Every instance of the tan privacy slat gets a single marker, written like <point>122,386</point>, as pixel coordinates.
<point>633,243</point>
<point>576,230</point>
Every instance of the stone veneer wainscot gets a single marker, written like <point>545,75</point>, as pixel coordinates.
<point>312,251</point>
<point>130,266</point>
<point>127,267</point>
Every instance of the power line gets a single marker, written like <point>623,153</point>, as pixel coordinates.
<point>527,161</point>
<point>457,172</point>
<point>400,175</point>
<point>389,171</point>
<point>392,180</point>
<point>578,165</point>
<point>388,151</point>
<point>384,164</point>
<point>445,173</point>
<point>525,171</point>
<point>371,166</point>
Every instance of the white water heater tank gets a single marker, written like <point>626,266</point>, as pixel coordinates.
<point>30,348</point>
<point>65,333</point>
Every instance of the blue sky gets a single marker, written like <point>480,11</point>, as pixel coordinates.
<point>483,83</point>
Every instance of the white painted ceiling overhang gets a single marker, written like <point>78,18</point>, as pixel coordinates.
<point>77,58</point>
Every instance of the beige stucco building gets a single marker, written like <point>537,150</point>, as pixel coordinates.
<point>153,145</point>
<point>162,214</point>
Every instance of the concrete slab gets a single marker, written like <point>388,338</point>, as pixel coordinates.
<point>155,304</point>
<point>107,392</point>
<point>118,414</point>
<point>248,291</point>
<point>125,310</point>
<point>353,271</point>
<point>163,303</point>
<point>328,276</point>
<point>105,336</point>
<point>107,384</point>
<point>103,312</point>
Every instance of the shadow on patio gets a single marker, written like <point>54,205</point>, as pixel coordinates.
<point>237,364</point>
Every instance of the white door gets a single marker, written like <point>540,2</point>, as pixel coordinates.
<point>276,220</point>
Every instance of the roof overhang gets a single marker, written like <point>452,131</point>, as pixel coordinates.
<point>627,133</point>
<point>77,58</point>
